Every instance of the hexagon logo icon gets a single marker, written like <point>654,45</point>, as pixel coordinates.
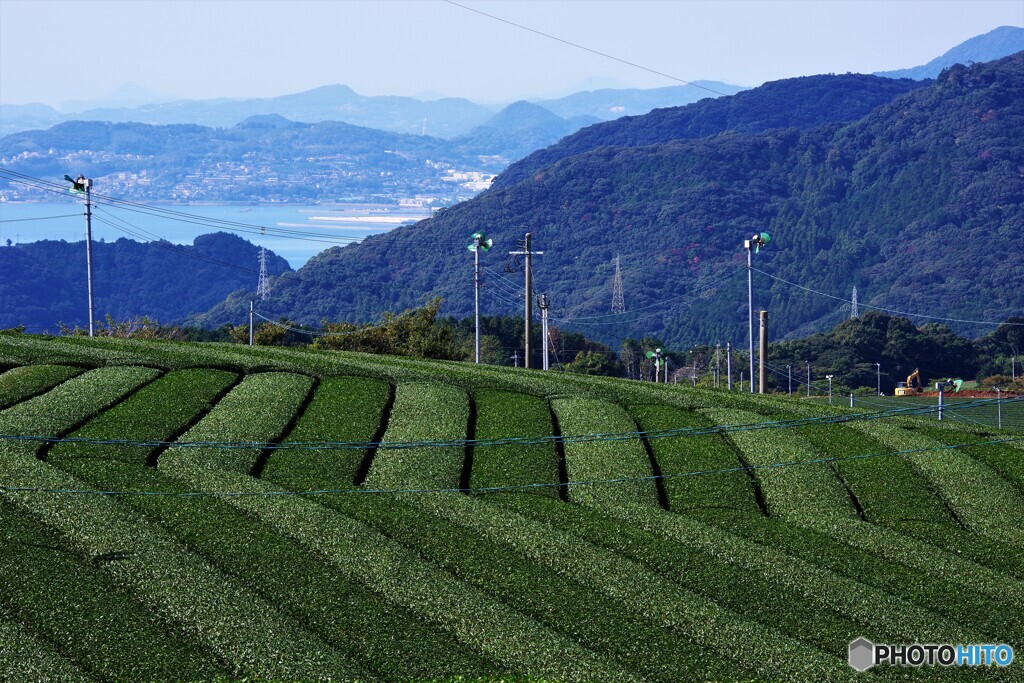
<point>862,654</point>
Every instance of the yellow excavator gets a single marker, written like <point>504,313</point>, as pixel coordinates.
<point>911,386</point>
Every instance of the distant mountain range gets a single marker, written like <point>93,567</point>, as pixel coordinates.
<point>919,203</point>
<point>445,118</point>
<point>997,43</point>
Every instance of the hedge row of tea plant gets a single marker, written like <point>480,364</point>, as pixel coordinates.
<point>422,412</point>
<point>94,623</point>
<point>386,640</point>
<point>703,453</point>
<point>343,409</point>
<point>181,588</point>
<point>25,658</point>
<point>385,566</point>
<point>18,384</point>
<point>795,492</point>
<point>504,415</point>
<point>601,460</point>
<point>980,498</point>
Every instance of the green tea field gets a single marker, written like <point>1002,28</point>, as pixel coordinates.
<point>208,512</point>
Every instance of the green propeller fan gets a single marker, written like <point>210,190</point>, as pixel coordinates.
<point>483,240</point>
<point>760,240</point>
<point>76,185</point>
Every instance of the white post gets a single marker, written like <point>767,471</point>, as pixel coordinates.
<point>999,409</point>
<point>476,293</point>
<point>252,311</point>
<point>87,182</point>
<point>728,363</point>
<point>750,307</point>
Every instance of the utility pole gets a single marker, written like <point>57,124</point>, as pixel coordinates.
<point>728,363</point>
<point>528,252</point>
<point>476,286</point>
<point>789,369</point>
<point>479,243</point>
<point>83,184</point>
<point>718,365</point>
<point>88,245</point>
<point>878,379</point>
<point>656,355</point>
<point>763,351</point>
<point>252,312</point>
<point>829,378</point>
<point>750,309</point>
<point>753,245</point>
<point>808,379</point>
<point>542,304</point>
<point>999,409</point>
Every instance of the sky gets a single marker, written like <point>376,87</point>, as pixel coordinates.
<point>54,51</point>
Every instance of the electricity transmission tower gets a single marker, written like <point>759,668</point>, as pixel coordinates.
<point>618,299</point>
<point>853,304</point>
<point>263,288</point>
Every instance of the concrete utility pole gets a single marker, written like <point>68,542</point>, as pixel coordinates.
<point>476,284</point>
<point>999,409</point>
<point>878,379</point>
<point>808,379</point>
<point>789,369</point>
<point>749,246</point>
<point>528,252</point>
<point>480,243</point>
<point>718,365</point>
<point>252,312</point>
<point>542,304</point>
<point>83,184</point>
<point>763,351</point>
<point>728,363</point>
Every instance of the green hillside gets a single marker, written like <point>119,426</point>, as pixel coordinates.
<point>918,204</point>
<point>218,512</point>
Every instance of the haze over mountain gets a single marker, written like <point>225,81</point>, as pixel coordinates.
<point>998,42</point>
<point>919,203</point>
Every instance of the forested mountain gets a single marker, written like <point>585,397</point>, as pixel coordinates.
<point>607,104</point>
<point>518,129</point>
<point>791,103</point>
<point>997,43</point>
<point>919,203</point>
<point>44,283</point>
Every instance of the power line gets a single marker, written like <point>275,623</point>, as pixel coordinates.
<point>516,487</point>
<point>583,47</point>
<point>184,217</point>
<point>161,243</point>
<point>40,218</point>
<point>523,441</point>
<point>886,310</point>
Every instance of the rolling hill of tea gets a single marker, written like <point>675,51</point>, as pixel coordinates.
<point>175,512</point>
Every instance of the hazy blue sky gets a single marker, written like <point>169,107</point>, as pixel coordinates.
<point>57,50</point>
